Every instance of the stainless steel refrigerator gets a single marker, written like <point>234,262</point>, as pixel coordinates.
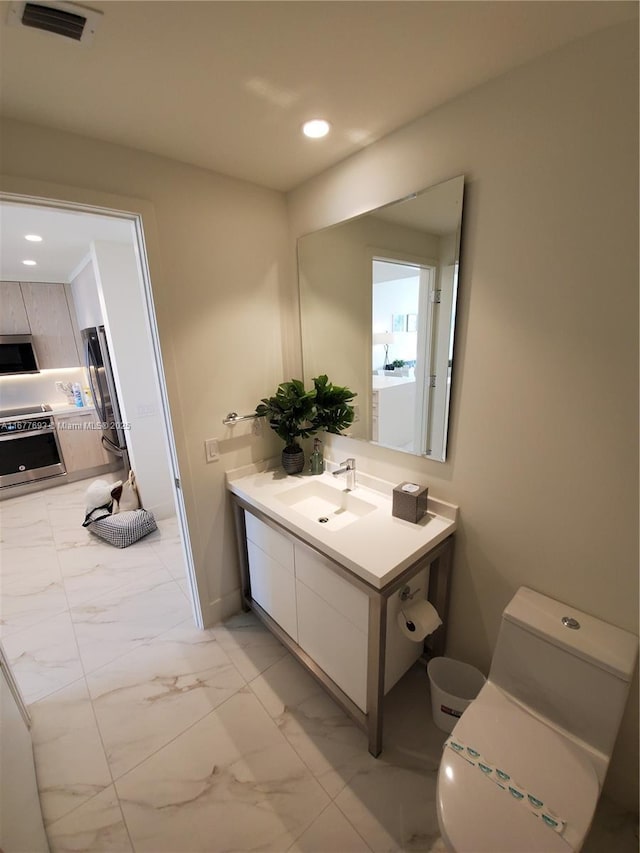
<point>103,389</point>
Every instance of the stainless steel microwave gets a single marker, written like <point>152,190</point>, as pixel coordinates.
<point>17,355</point>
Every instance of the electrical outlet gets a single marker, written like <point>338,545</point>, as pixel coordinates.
<point>211,450</point>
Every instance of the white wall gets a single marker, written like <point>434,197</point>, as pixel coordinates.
<point>38,387</point>
<point>131,350</point>
<point>84,290</point>
<point>225,301</point>
<point>543,453</point>
<point>399,296</point>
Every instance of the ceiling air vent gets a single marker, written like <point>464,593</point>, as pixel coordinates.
<point>63,19</point>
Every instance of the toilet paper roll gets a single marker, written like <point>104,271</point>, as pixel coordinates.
<point>418,620</point>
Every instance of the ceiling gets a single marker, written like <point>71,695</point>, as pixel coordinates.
<point>66,241</point>
<point>227,85</point>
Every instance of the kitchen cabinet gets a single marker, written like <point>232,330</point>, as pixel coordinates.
<point>51,325</point>
<point>340,627</point>
<point>80,442</point>
<point>393,411</point>
<point>13,313</point>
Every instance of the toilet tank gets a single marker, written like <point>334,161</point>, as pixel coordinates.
<point>577,678</point>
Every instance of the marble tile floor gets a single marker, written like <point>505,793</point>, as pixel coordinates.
<point>150,735</point>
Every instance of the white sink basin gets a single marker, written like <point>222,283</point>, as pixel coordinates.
<point>332,508</point>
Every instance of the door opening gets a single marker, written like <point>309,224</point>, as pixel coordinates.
<point>132,321</point>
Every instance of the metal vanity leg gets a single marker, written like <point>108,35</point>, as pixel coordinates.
<point>241,539</point>
<point>439,594</point>
<point>375,671</point>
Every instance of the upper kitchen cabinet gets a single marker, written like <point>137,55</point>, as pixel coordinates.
<point>13,314</point>
<point>51,325</point>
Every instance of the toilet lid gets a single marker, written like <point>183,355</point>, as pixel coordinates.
<point>476,815</point>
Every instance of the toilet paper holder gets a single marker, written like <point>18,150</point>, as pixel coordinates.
<point>417,620</point>
<point>406,593</point>
<point>410,625</point>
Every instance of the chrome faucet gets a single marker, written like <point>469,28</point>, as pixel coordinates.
<point>348,467</point>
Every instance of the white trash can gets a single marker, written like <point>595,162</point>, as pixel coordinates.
<point>454,685</point>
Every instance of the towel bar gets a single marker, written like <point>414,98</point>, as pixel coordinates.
<point>234,418</point>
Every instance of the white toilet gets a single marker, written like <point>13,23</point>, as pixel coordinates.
<point>523,768</point>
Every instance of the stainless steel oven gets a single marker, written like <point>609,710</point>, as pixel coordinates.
<point>29,447</point>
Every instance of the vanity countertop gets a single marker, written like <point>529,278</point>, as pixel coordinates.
<point>376,547</point>
<point>381,382</point>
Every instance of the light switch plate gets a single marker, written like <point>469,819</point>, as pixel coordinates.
<point>211,450</point>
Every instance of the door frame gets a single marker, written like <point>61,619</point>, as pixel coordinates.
<point>140,213</point>
<point>428,276</point>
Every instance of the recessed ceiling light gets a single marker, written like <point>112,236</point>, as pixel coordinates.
<point>30,263</point>
<point>316,128</point>
<point>33,238</point>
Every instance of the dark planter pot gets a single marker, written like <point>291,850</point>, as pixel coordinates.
<point>293,459</point>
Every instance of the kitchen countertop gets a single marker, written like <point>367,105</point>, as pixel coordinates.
<point>66,409</point>
<point>377,547</point>
<point>380,382</point>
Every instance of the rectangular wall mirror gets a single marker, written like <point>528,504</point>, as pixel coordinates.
<point>377,307</point>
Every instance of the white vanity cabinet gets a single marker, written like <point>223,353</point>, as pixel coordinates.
<point>336,623</point>
<point>315,607</point>
<point>333,619</point>
<point>271,571</point>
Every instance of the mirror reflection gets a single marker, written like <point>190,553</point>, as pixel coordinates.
<point>377,306</point>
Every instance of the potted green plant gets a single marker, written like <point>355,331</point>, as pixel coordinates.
<point>290,413</point>
<point>332,403</point>
<point>295,413</point>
